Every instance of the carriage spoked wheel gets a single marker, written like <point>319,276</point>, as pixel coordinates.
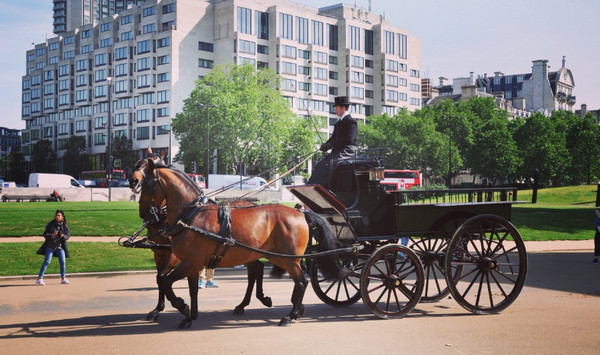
<point>343,291</point>
<point>431,249</point>
<point>392,281</point>
<point>491,256</point>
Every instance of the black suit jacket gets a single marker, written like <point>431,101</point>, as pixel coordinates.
<point>344,134</point>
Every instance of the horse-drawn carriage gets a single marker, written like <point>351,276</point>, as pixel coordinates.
<point>461,241</point>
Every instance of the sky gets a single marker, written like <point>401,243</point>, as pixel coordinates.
<point>457,37</point>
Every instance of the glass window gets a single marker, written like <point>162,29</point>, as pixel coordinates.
<point>286,26</point>
<point>333,37</point>
<point>317,32</point>
<point>354,37</point>
<point>302,30</point>
<point>244,20</point>
<point>262,25</point>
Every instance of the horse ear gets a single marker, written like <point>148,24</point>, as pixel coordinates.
<point>149,151</point>
<point>162,155</point>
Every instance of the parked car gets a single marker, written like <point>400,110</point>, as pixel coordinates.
<point>119,183</point>
<point>87,183</point>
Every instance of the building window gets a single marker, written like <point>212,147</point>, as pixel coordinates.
<point>357,62</point>
<point>100,59</point>
<point>125,19</point>
<point>143,115</point>
<point>163,42</point>
<point>121,53</point>
<point>149,28</point>
<point>333,60</point>
<point>302,30</point>
<point>143,64</point>
<point>320,57</point>
<point>142,81</point>
<point>288,51</point>
<point>262,49</point>
<point>99,138</point>
<point>86,49</point>
<point>163,59</point>
<point>414,73</point>
<point>247,47</point>
<point>126,36</point>
<point>105,27</point>
<point>86,34</point>
<point>121,69</point>
<point>402,50</point>
<point>288,84</point>
<point>317,32</point>
<point>286,26</point>
<point>143,46</point>
<point>105,42</point>
<point>143,133</point>
<point>320,73</point>
<point>205,46</point>
<point>167,9</point>
<point>262,25</point>
<point>333,37</point>
<point>244,20</point>
<point>388,38</point>
<point>357,92</point>
<point>205,63</point>
<point>415,101</point>
<point>162,96</point>
<point>415,87</point>
<point>354,37</point>
<point>288,68</point>
<point>369,42</point>
<point>149,11</point>
<point>162,77</point>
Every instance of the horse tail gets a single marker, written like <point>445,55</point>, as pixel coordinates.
<point>320,228</point>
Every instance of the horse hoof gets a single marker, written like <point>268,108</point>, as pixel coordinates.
<point>285,322</point>
<point>152,316</point>
<point>267,301</point>
<point>185,324</point>
<point>238,311</point>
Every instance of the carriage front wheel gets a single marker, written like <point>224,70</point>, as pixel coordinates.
<point>490,254</point>
<point>392,281</point>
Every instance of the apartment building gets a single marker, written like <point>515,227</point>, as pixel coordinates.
<point>147,57</point>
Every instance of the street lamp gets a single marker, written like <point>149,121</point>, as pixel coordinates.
<point>109,158</point>
<point>207,106</point>
<point>450,122</point>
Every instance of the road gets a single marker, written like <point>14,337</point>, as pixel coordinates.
<point>558,312</point>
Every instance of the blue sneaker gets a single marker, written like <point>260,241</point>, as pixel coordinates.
<point>201,284</point>
<point>211,284</point>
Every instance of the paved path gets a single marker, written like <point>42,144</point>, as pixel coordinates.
<point>557,312</point>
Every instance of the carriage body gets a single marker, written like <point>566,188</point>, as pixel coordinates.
<point>419,245</point>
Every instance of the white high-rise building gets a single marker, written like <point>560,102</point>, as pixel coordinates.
<point>154,51</point>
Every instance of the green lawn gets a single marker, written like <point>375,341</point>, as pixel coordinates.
<point>560,214</point>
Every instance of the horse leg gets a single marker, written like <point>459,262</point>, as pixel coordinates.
<point>193,288</point>
<point>179,272</point>
<point>255,275</point>
<point>166,264</point>
<point>260,272</point>
<point>300,284</point>
<point>160,306</point>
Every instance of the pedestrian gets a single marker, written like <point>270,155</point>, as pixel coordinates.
<point>342,144</point>
<point>208,275</point>
<point>596,237</point>
<point>55,244</point>
<point>299,207</point>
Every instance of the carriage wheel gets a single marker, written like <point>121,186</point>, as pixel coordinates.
<point>432,250</point>
<point>392,281</point>
<point>343,291</point>
<point>493,264</point>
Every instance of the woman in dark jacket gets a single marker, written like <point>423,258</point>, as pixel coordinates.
<point>56,235</point>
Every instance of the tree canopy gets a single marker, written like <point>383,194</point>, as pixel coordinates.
<point>247,119</point>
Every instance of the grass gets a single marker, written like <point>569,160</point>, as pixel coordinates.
<point>565,213</point>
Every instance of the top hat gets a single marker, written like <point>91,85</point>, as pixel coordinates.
<point>341,101</point>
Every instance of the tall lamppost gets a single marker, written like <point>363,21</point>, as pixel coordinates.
<point>207,107</point>
<point>109,158</point>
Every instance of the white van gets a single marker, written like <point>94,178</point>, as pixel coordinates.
<point>52,181</point>
<point>219,181</point>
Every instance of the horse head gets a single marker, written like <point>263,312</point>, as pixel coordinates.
<point>140,169</point>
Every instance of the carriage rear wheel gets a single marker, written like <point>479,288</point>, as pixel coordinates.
<point>343,291</point>
<point>493,264</point>
<point>392,281</point>
<point>431,249</point>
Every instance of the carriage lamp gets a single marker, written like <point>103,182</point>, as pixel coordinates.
<point>376,174</point>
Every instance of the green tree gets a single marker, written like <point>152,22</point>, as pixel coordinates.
<point>122,149</point>
<point>43,157</point>
<point>250,122</point>
<point>541,146</point>
<point>75,159</point>
<point>582,142</point>
<point>14,167</point>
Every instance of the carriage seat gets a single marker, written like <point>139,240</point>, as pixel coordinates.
<point>343,178</point>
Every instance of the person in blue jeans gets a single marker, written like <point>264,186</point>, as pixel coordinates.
<point>55,244</point>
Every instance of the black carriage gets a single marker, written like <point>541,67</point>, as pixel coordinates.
<point>417,245</point>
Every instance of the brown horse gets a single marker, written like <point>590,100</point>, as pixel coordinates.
<point>154,220</point>
<point>276,231</point>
